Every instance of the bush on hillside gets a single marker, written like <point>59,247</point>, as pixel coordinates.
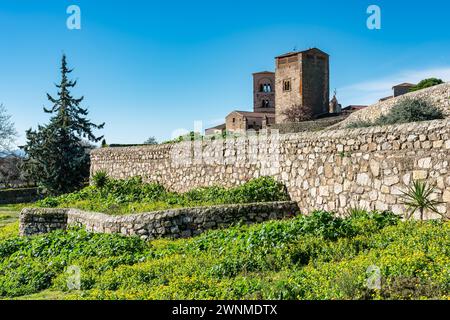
<point>410,110</point>
<point>406,110</point>
<point>426,83</point>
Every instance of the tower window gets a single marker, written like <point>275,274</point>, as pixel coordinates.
<point>266,87</point>
<point>287,85</point>
<point>265,103</point>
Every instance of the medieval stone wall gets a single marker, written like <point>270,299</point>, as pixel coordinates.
<point>175,223</point>
<point>330,170</point>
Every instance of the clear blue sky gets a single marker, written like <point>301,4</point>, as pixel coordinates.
<point>147,68</point>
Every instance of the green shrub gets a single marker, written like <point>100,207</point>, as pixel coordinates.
<point>426,83</point>
<point>407,110</point>
<point>410,110</point>
<point>132,195</point>
<point>100,179</point>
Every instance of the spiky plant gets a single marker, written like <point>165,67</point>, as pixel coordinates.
<point>418,198</point>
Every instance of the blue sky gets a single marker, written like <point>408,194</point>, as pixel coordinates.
<point>147,68</point>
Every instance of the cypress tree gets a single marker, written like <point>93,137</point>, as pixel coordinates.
<point>58,153</point>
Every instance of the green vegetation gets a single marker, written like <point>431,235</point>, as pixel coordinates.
<point>57,156</point>
<point>407,110</point>
<point>314,257</point>
<point>426,83</point>
<point>132,195</point>
<point>151,141</point>
<point>418,197</point>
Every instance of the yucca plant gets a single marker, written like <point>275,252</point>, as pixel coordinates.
<point>100,179</point>
<point>418,198</point>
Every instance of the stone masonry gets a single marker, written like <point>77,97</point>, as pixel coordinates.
<point>329,170</point>
<point>175,223</point>
<point>302,79</point>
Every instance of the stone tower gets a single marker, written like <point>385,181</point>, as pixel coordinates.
<point>302,79</point>
<point>264,92</point>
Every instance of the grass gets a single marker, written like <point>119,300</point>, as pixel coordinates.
<point>316,257</point>
<point>9,213</point>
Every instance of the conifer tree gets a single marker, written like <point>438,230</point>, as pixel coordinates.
<point>58,153</point>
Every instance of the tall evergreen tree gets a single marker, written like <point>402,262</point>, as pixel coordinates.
<point>58,153</point>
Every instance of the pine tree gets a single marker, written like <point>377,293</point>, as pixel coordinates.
<point>58,153</point>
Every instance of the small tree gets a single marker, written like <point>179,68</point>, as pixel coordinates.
<point>58,153</point>
<point>151,141</point>
<point>7,131</point>
<point>426,83</point>
<point>297,113</point>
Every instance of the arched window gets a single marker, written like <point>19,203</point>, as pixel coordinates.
<point>265,87</point>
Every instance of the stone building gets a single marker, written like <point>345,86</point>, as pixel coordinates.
<point>241,121</point>
<point>263,114</point>
<point>399,90</point>
<point>402,89</point>
<point>302,79</point>
<point>215,130</point>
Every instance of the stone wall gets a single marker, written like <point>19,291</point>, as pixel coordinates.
<point>175,223</point>
<point>19,195</point>
<point>438,95</point>
<point>330,170</point>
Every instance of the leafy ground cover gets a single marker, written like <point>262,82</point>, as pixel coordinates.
<point>308,257</point>
<point>132,195</point>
